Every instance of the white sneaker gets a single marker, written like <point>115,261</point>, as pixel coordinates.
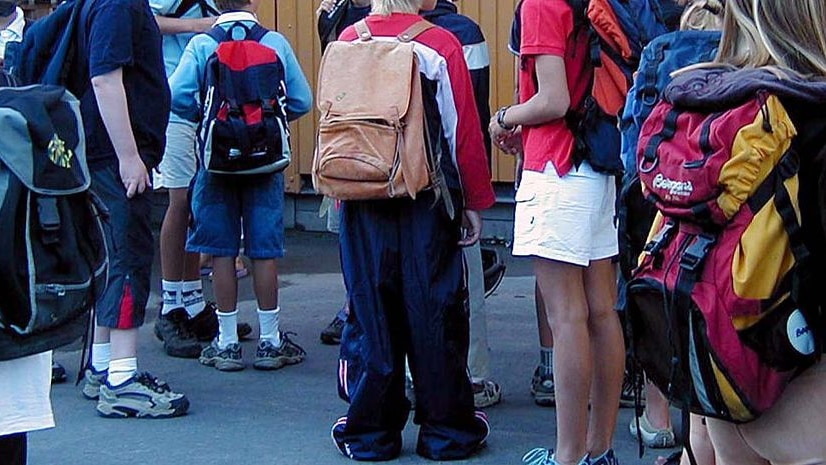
<point>652,437</point>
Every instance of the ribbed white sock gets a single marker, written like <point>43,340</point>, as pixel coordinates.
<point>101,354</point>
<point>546,360</point>
<point>192,295</point>
<point>121,370</point>
<point>171,296</point>
<point>268,322</point>
<point>227,328</point>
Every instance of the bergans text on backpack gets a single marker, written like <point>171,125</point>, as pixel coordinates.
<point>244,128</point>
<point>372,144</point>
<point>720,316</point>
<point>661,57</point>
<point>619,30</point>
<point>52,249</point>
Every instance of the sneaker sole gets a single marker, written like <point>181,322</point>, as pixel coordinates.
<point>222,364</point>
<point>487,401</point>
<point>543,399</point>
<point>114,410</point>
<point>270,364</point>
<point>330,340</point>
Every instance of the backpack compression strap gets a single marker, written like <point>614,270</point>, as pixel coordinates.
<point>407,35</point>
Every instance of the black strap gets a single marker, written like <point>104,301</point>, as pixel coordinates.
<point>186,5</point>
<point>650,159</point>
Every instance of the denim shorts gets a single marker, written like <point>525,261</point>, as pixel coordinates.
<point>131,249</point>
<point>223,204</point>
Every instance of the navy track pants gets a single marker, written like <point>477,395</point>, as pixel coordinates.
<point>404,275</point>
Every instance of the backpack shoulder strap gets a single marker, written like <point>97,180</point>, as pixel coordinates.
<point>257,33</point>
<point>182,9</point>
<point>363,30</point>
<point>217,33</point>
<point>415,30</point>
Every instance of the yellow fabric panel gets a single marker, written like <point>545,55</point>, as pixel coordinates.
<point>655,228</point>
<point>762,257</point>
<point>754,153</point>
<point>735,405</point>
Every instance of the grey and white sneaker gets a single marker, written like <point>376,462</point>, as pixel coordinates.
<point>650,435</point>
<point>226,359</point>
<point>486,393</point>
<point>92,380</point>
<point>142,396</point>
<point>269,357</point>
<point>542,389</point>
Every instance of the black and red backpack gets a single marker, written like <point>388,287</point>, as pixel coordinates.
<point>244,128</point>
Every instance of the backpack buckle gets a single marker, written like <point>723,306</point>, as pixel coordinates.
<point>661,240</point>
<point>49,219</point>
<point>696,253</point>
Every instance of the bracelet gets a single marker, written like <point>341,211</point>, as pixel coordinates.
<point>500,119</point>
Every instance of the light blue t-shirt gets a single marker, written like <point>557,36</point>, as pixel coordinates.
<point>175,44</point>
<point>187,80</point>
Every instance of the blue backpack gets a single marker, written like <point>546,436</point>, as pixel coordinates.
<point>664,55</point>
<point>48,53</point>
<point>244,128</point>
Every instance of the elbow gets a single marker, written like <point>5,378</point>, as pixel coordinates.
<point>556,109</point>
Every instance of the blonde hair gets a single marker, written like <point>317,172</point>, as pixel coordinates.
<point>386,7</point>
<point>741,45</point>
<point>793,33</point>
<point>702,15</point>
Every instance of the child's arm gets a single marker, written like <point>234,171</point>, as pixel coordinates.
<point>299,93</point>
<point>114,111</point>
<point>186,84</point>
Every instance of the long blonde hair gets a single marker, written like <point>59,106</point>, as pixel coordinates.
<point>741,45</point>
<point>793,33</point>
<point>386,7</point>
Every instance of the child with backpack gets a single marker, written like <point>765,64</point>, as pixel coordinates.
<point>753,335</point>
<point>233,190</point>
<point>402,254</point>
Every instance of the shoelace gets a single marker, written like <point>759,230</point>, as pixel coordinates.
<point>152,382</point>
<point>286,340</point>
<point>538,456</point>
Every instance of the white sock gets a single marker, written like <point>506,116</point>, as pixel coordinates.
<point>121,370</point>
<point>192,295</point>
<point>546,360</point>
<point>268,321</point>
<point>101,354</point>
<point>171,296</point>
<point>227,328</point>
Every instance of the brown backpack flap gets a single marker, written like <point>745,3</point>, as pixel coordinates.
<point>371,134</point>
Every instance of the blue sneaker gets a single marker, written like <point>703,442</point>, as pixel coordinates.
<point>608,458</point>
<point>542,456</point>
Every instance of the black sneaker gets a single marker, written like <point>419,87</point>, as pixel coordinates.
<point>58,373</point>
<point>178,340</point>
<point>205,324</point>
<point>332,333</point>
<point>542,388</point>
<point>269,357</point>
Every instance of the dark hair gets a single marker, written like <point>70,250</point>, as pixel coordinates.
<point>229,5</point>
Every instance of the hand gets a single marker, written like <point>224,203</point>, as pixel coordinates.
<point>507,141</point>
<point>472,226</point>
<point>203,24</point>
<point>134,175</point>
<point>325,6</point>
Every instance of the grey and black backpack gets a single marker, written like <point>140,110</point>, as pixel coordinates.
<point>53,258</point>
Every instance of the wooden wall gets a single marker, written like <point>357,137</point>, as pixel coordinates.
<point>296,20</point>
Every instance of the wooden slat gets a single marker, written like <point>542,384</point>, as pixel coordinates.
<point>296,20</point>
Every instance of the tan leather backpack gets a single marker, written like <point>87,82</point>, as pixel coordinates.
<point>372,137</point>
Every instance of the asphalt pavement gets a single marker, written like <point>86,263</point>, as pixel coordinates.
<point>284,417</point>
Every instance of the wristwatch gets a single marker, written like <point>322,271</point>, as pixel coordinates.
<point>500,119</point>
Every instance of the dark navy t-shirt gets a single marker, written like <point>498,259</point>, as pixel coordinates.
<point>124,34</point>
